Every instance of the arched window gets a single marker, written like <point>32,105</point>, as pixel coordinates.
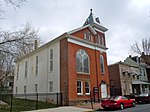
<point>82,62</point>
<point>102,64</point>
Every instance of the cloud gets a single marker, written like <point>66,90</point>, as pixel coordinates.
<point>127,21</point>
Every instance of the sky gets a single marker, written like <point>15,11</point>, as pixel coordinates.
<point>128,21</point>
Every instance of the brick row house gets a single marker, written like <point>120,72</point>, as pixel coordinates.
<point>128,77</point>
<point>74,64</point>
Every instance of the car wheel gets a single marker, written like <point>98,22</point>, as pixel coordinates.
<point>133,104</point>
<point>121,106</point>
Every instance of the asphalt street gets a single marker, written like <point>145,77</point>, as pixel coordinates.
<point>138,108</point>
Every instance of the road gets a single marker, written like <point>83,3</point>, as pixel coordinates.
<point>138,108</point>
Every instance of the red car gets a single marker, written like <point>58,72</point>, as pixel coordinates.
<point>118,102</point>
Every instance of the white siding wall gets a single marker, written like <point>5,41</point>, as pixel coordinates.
<point>44,74</point>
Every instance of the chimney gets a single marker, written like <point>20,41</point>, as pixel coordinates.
<point>35,44</point>
<point>130,56</point>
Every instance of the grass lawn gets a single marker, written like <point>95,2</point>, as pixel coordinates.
<point>23,105</point>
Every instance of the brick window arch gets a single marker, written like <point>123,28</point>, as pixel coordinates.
<point>82,62</point>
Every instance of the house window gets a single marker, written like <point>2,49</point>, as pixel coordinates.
<point>36,88</point>
<point>10,84</point>
<point>123,73</point>
<point>102,64</point>
<point>17,72</point>
<point>98,40</point>
<point>51,60</point>
<point>16,90</point>
<point>144,72</point>
<point>24,89</point>
<point>87,36</point>
<point>36,66</point>
<point>102,40</point>
<point>138,77</point>
<point>51,86</point>
<point>79,88</point>
<point>140,70</point>
<point>82,62</point>
<point>26,67</point>
<point>87,88</point>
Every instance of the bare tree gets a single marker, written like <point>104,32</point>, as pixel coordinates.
<point>15,44</point>
<point>142,49</point>
<point>16,3</point>
<point>18,43</point>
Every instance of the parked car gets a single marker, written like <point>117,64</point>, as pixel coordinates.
<point>118,102</point>
<point>143,98</point>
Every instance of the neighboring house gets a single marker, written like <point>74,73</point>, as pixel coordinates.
<point>7,83</point>
<point>148,72</point>
<point>120,77</point>
<point>146,59</point>
<point>141,85</point>
<point>74,64</point>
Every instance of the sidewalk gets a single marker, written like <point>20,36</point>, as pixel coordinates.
<point>64,109</point>
<point>96,106</point>
<point>86,107</point>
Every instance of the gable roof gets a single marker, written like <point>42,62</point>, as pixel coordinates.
<point>81,28</point>
<point>128,60</point>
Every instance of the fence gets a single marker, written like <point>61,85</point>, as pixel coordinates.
<point>25,102</point>
<point>5,90</point>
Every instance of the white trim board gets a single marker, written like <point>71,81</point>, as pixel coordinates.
<point>85,45</point>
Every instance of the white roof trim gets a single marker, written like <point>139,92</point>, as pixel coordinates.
<point>139,82</point>
<point>81,28</point>
<point>85,43</point>
<point>92,30</point>
<point>98,30</point>
<point>100,27</point>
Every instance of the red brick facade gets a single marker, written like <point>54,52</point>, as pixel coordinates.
<point>69,75</point>
<point>114,79</point>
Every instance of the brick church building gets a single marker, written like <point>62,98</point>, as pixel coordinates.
<point>74,64</point>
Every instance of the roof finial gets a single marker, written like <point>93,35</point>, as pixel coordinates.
<point>91,10</point>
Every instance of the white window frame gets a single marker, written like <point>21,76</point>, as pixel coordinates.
<point>26,69</point>
<point>36,65</point>
<point>82,62</point>
<point>25,89</point>
<point>88,36</point>
<point>102,40</point>
<point>51,60</point>
<point>36,88</point>
<point>102,65</point>
<point>80,87</point>
<point>87,87</point>
<point>51,86</point>
<point>17,71</point>
<point>98,40</point>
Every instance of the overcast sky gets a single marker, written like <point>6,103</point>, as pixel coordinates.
<point>127,20</point>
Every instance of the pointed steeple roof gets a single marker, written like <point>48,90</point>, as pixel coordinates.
<point>91,19</point>
<point>94,22</point>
